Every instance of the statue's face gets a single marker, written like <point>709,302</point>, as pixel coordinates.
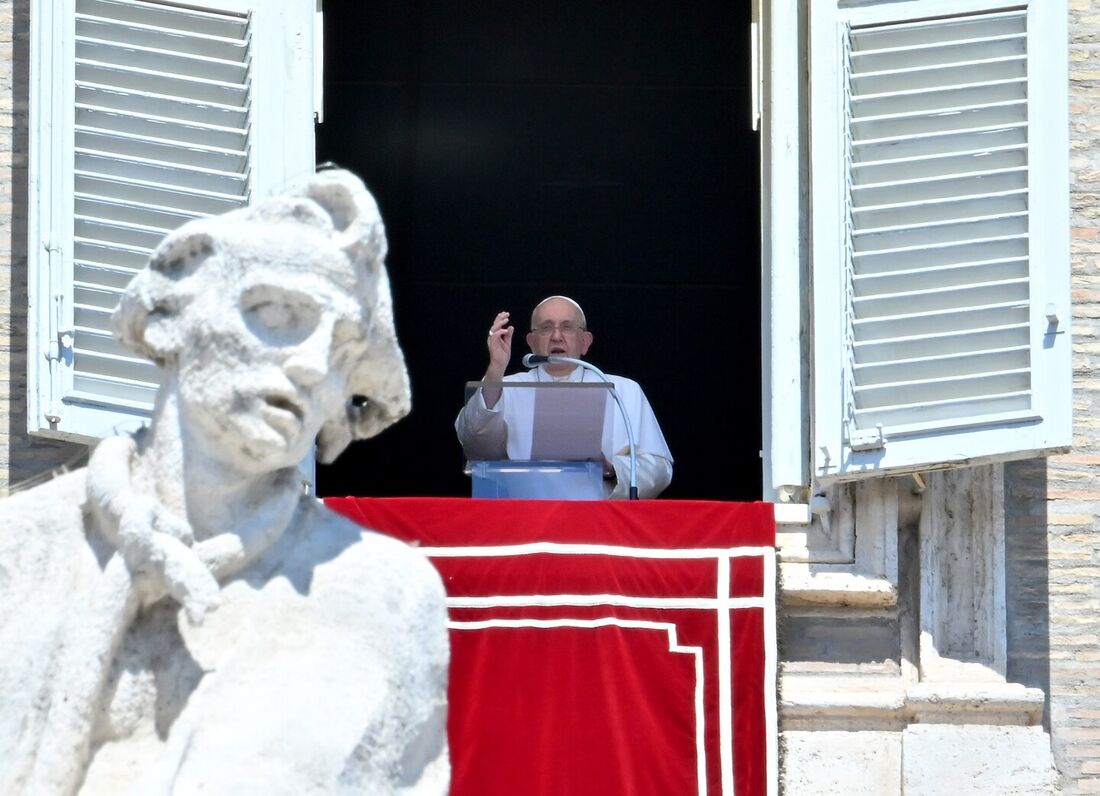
<point>269,348</point>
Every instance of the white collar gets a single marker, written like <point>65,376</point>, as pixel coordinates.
<point>576,374</point>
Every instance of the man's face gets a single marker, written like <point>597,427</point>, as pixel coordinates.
<point>557,331</point>
<point>268,349</point>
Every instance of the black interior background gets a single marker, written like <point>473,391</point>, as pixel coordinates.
<point>600,150</point>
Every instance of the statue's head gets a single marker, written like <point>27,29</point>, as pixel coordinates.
<point>274,324</point>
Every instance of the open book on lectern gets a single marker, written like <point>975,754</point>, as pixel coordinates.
<point>567,417</point>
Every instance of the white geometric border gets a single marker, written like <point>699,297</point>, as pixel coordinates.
<point>610,621</point>
<point>722,604</point>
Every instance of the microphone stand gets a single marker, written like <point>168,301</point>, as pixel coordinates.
<point>533,360</point>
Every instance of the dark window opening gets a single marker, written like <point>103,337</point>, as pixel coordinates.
<point>600,150</point>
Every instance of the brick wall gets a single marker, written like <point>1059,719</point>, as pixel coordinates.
<point>21,458</point>
<point>1053,544</point>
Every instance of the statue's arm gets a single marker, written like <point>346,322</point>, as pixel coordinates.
<point>155,544</point>
<point>426,760</point>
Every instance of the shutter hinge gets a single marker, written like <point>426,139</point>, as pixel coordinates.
<point>867,440</point>
<point>58,354</point>
<point>61,346</point>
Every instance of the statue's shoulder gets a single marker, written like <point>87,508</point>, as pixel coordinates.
<point>43,516</point>
<point>340,554</point>
<point>344,630</point>
<point>48,567</point>
<point>62,496</point>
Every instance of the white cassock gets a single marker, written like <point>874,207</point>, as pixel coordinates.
<point>505,431</point>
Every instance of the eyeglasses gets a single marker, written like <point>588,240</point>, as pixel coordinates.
<point>567,328</point>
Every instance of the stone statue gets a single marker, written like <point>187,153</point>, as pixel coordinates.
<point>323,668</point>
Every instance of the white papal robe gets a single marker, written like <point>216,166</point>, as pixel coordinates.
<point>505,431</point>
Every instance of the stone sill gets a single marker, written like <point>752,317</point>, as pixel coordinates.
<point>824,703</point>
<point>958,704</point>
<point>801,586</point>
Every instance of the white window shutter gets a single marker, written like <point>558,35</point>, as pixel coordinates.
<point>940,258</point>
<point>145,114</point>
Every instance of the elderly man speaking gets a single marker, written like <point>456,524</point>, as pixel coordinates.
<point>496,425</point>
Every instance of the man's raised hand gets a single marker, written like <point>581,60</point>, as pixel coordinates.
<point>499,343</point>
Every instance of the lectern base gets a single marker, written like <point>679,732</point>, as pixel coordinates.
<point>541,480</point>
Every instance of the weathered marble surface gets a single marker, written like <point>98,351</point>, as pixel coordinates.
<point>178,617</point>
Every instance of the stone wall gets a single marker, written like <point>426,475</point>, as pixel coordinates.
<point>21,458</point>
<point>1051,508</point>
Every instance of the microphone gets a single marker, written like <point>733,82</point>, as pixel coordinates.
<point>534,360</point>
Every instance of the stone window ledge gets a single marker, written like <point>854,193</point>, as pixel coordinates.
<point>854,702</point>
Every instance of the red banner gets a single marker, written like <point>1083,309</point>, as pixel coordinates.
<point>602,647</point>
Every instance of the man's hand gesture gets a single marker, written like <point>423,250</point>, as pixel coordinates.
<point>499,343</point>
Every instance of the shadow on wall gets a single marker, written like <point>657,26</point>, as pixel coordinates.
<point>23,458</point>
<point>1027,585</point>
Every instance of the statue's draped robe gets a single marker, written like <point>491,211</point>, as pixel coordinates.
<point>323,671</point>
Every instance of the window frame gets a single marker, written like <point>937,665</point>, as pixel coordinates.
<point>794,354</point>
<point>282,105</point>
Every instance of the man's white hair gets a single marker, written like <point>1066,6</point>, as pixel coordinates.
<point>576,306</point>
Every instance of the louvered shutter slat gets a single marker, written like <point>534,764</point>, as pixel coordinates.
<point>136,146</point>
<point>934,145</point>
<point>909,418</point>
<point>941,164</point>
<point>93,388</point>
<point>892,395</point>
<point>166,196</point>
<point>189,43</point>
<point>94,118</point>
<point>162,173</point>
<point>938,98</point>
<point>951,186</point>
<point>107,232</point>
<point>95,253</point>
<point>942,119</point>
<point>151,59</point>
<point>929,367</point>
<point>110,209</point>
<point>942,232</point>
<point>900,281</point>
<point>937,255</point>
<point>91,317</point>
<point>941,299</point>
<point>169,96</point>
<point>914,35</point>
<point>962,341</point>
<point>95,296</point>
<point>194,20</point>
<point>869,56</point>
<point>942,209</point>
<point>141,373</point>
<point>955,319</point>
<point>949,75</point>
<point>96,273</point>
<point>100,343</point>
